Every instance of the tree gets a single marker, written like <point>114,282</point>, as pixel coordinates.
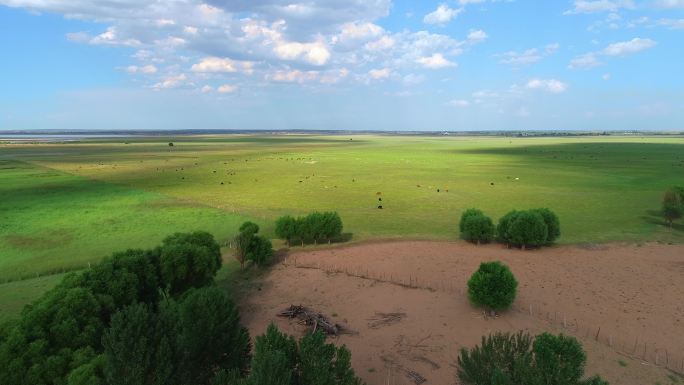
<point>286,228</point>
<point>252,247</point>
<point>502,229</point>
<point>280,360</point>
<point>211,336</point>
<point>493,286</point>
<point>516,359</point>
<point>501,357</point>
<point>189,260</point>
<point>477,229</point>
<point>260,250</point>
<point>673,205</point>
<point>316,226</point>
<point>527,228</point>
<point>141,346</point>
<point>552,224</point>
<point>332,224</point>
<point>467,214</point>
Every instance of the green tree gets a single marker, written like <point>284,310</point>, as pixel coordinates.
<point>502,229</point>
<point>141,346</point>
<point>286,228</point>
<point>673,207</point>
<point>212,338</point>
<point>501,358</point>
<point>467,214</point>
<point>477,229</point>
<point>527,228</point>
<point>189,260</point>
<point>515,359</point>
<point>552,224</point>
<point>260,250</point>
<point>275,359</point>
<point>492,285</point>
<point>332,225</point>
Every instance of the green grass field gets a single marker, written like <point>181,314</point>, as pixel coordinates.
<point>63,205</point>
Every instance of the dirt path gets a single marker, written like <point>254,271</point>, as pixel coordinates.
<point>635,295</point>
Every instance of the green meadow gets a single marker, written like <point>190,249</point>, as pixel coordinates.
<point>64,205</point>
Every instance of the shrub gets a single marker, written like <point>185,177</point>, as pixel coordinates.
<point>467,214</point>
<point>492,285</point>
<point>673,206</point>
<point>504,225</point>
<point>527,228</point>
<point>515,359</point>
<point>552,224</point>
<point>477,229</point>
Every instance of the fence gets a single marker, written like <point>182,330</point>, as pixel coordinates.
<point>628,346</point>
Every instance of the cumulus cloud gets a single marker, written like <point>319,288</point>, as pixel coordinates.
<point>173,81</point>
<point>477,36</point>
<point>461,103</point>
<point>549,85</point>
<point>215,64</point>
<point>435,61</point>
<point>382,73</point>
<point>226,89</point>
<point>528,56</point>
<point>623,48</point>
<point>629,47</point>
<point>442,15</point>
<point>146,69</point>
<point>595,6</point>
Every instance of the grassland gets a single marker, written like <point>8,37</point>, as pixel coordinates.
<point>63,205</point>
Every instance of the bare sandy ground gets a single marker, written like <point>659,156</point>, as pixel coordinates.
<point>624,302</point>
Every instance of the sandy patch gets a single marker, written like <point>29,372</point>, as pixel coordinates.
<point>633,294</point>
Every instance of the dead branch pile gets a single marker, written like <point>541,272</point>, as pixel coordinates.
<point>314,320</point>
<point>385,319</point>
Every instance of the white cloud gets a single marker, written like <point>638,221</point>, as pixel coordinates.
<point>413,79</point>
<point>385,42</point>
<point>594,6</point>
<point>672,23</point>
<point>585,61</point>
<point>378,74</point>
<point>549,85</point>
<point>171,82</point>
<point>629,47</point>
<point>216,64</point>
<point>605,77</point>
<point>442,15</point>
<point>360,30</point>
<point>461,103</point>
<point>670,4</point>
<point>207,89</point>
<point>226,89</point>
<point>147,69</point>
<point>435,61</point>
<point>293,76</point>
<point>477,36</point>
<point>527,57</point>
<point>466,2</point>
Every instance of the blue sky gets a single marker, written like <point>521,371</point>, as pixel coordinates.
<point>342,64</point>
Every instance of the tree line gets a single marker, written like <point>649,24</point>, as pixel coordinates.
<point>311,228</point>
<point>527,228</point>
<point>155,316</point>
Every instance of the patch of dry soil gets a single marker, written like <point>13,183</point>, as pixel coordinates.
<point>634,294</point>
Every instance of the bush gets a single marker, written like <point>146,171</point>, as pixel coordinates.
<point>492,285</point>
<point>477,229</point>
<point>504,225</point>
<point>527,228</point>
<point>515,359</point>
<point>552,224</point>
<point>673,204</point>
<point>467,214</point>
